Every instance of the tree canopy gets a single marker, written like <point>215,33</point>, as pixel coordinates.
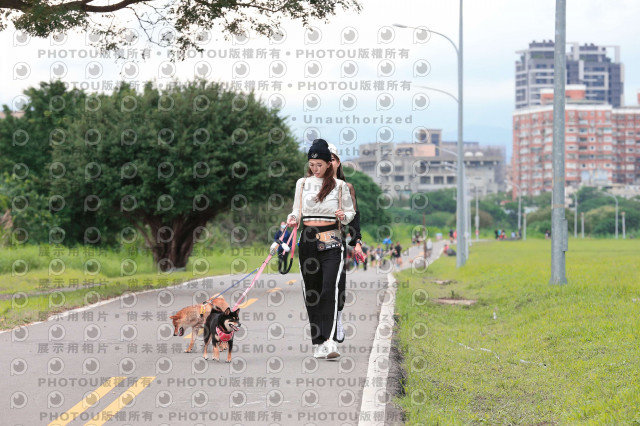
<point>372,212</point>
<point>170,161</point>
<point>179,25</point>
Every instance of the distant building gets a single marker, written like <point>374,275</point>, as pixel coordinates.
<point>405,168</point>
<point>16,114</point>
<point>602,143</point>
<point>587,64</point>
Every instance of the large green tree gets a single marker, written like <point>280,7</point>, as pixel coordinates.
<point>373,209</point>
<point>182,22</point>
<point>442,200</point>
<point>169,161</point>
<point>26,145</point>
<point>26,141</point>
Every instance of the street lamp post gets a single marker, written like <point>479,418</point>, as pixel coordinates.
<point>476,217</point>
<point>615,198</point>
<point>465,186</point>
<point>624,231</point>
<point>461,258</point>
<point>519,203</point>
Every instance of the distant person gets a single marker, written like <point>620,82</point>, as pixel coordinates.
<point>365,250</point>
<point>451,236</point>
<point>496,232</point>
<point>379,254</point>
<point>449,251</point>
<point>387,243</point>
<point>513,235</point>
<point>372,256</point>
<point>398,250</point>
<point>429,247</point>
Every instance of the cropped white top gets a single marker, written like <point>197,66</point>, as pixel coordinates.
<point>311,208</point>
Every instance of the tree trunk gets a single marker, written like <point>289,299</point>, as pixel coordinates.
<point>174,243</point>
<point>171,244</point>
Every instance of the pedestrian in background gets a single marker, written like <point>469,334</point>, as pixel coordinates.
<point>355,242</point>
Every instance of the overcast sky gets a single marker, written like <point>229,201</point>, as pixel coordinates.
<point>493,31</point>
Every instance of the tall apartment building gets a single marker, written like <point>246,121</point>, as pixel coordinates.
<point>16,114</point>
<point>587,64</point>
<point>602,143</point>
<point>405,168</point>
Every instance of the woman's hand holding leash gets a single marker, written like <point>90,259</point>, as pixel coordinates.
<point>340,214</point>
<point>292,221</point>
<point>359,253</point>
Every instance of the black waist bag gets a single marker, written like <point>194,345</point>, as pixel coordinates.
<point>328,240</point>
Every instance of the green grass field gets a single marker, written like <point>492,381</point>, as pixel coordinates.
<point>38,281</point>
<point>526,352</point>
<point>57,280</point>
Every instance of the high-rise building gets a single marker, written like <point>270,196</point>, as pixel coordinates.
<point>587,64</point>
<point>402,169</point>
<point>602,143</point>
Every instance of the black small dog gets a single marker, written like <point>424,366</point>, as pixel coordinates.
<point>221,326</point>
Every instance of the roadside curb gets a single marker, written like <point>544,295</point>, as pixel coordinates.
<point>374,400</point>
<point>376,395</point>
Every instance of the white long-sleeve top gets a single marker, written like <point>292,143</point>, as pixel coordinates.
<point>328,207</point>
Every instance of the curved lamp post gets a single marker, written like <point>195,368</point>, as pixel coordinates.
<point>519,203</point>
<point>461,257</point>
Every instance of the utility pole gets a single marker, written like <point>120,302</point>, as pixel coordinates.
<point>616,218</point>
<point>575,216</point>
<point>461,260</point>
<point>524,227</point>
<point>582,220</point>
<point>424,237</point>
<point>616,199</point>
<point>624,232</point>
<point>477,216</point>
<point>519,208</point>
<point>519,202</point>
<point>559,244</point>
<point>468,206</point>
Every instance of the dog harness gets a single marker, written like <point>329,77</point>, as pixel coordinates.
<point>224,337</point>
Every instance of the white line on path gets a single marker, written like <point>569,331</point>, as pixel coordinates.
<point>59,316</point>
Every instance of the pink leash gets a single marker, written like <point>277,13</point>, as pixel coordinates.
<point>266,261</point>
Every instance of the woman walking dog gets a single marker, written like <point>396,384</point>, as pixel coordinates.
<point>319,200</point>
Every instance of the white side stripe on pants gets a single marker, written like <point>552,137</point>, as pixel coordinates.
<point>335,308</point>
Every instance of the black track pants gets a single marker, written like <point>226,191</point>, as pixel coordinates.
<point>342,284</point>
<point>321,272</point>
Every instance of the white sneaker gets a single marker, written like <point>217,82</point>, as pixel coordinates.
<point>331,349</point>
<point>339,329</point>
<point>320,351</point>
